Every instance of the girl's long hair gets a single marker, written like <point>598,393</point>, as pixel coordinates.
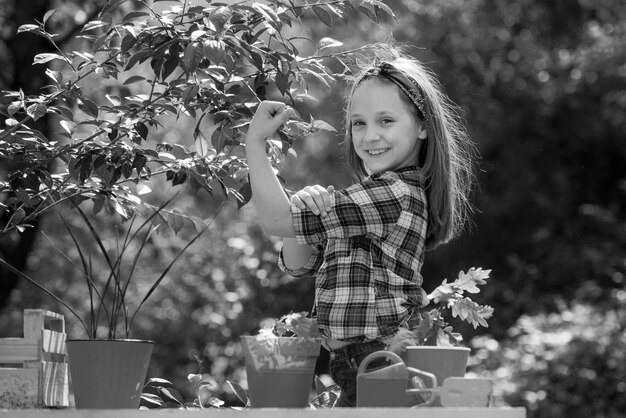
<point>447,156</point>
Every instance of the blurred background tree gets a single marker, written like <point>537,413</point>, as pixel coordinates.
<point>543,87</point>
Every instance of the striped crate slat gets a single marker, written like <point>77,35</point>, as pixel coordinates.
<point>38,376</point>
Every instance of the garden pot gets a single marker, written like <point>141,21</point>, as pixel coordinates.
<point>280,370</point>
<point>108,374</point>
<point>443,362</point>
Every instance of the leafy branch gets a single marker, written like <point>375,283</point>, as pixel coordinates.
<point>448,299</point>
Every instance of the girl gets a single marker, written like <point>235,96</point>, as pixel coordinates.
<point>365,244</point>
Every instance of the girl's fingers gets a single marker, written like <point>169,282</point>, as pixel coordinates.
<point>326,193</point>
<point>316,198</point>
<point>316,194</point>
<point>298,202</point>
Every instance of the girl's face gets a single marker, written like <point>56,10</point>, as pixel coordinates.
<point>386,132</point>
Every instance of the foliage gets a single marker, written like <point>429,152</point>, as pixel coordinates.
<point>295,324</point>
<point>161,393</point>
<point>212,63</point>
<point>567,363</point>
<point>434,328</point>
<point>107,289</point>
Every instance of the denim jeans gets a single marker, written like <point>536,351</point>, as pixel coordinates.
<point>344,365</point>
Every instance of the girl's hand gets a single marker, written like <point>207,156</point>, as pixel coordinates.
<point>267,119</point>
<point>315,198</point>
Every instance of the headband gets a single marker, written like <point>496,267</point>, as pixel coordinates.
<point>406,83</point>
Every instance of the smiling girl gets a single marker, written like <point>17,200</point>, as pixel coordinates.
<point>365,244</point>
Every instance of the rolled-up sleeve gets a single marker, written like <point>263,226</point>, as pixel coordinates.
<point>370,208</point>
<point>310,268</point>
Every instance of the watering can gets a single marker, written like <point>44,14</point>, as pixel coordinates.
<point>398,385</point>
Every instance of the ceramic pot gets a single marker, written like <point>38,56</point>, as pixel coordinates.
<point>280,370</point>
<point>108,374</point>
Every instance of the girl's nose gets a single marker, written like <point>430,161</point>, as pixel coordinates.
<point>372,135</point>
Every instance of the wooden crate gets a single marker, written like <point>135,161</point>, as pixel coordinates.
<point>37,376</point>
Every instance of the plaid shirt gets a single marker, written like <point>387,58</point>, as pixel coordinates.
<point>367,255</point>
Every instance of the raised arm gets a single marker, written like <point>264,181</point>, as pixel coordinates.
<point>268,197</point>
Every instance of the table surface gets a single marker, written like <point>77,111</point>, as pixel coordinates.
<point>448,412</point>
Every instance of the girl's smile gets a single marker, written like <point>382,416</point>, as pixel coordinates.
<point>386,131</point>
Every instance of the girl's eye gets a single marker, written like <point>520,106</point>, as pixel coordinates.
<point>386,120</point>
<point>357,123</point>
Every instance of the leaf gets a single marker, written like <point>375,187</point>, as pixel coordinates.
<point>134,15</point>
<point>323,15</point>
<point>121,210</point>
<point>88,107</point>
<point>142,130</point>
<point>156,381</point>
<point>166,156</point>
<point>47,57</point>
<point>194,377</point>
<point>128,42</point>
<point>442,293</point>
<point>171,395</point>
<point>151,401</point>
<point>472,312</point>
<point>239,392</point>
<point>14,107</point>
<point>328,43</point>
<point>469,282</point>
<point>386,9</point>
<point>94,24</point>
<point>28,28</point>
<point>171,62</point>
<point>68,126</point>
<point>320,124</point>
<point>36,111</point>
<point>220,138</point>
<point>115,101</point>
<point>175,221</point>
<point>134,79</point>
<point>22,195</point>
<point>47,15</point>
<point>57,76</point>
<point>220,16</point>
<point>192,56</point>
<point>143,188</point>
<point>369,10</point>
<point>202,145</point>
<point>282,82</point>
<point>246,194</point>
<point>404,338</point>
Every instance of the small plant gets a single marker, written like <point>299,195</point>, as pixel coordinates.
<point>292,325</point>
<point>448,298</point>
<point>270,346</point>
<point>107,287</point>
<point>160,393</point>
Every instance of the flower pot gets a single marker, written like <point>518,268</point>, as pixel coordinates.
<point>280,370</point>
<point>443,362</point>
<point>108,374</point>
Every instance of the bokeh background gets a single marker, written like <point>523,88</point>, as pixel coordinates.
<point>542,85</point>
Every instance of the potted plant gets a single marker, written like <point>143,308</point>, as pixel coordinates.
<point>433,346</point>
<point>280,362</point>
<point>107,268</point>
